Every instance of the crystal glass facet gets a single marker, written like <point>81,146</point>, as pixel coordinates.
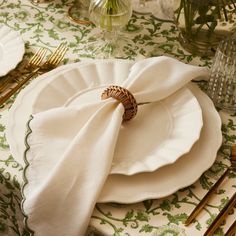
<point>222,82</point>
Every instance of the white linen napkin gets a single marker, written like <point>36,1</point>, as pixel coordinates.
<point>63,185</point>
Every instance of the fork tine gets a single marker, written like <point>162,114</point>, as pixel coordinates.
<point>40,57</point>
<point>37,57</point>
<point>59,57</point>
<point>61,51</point>
<point>56,53</point>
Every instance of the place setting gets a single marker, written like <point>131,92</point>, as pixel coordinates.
<point>165,164</point>
<point>108,131</point>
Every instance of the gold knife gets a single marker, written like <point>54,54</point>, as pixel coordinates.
<point>205,199</point>
<point>221,216</point>
<point>208,195</point>
<point>232,230</point>
<point>6,96</point>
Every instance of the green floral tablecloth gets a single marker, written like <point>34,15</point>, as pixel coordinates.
<point>47,25</point>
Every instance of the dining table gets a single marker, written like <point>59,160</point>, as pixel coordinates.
<point>47,25</point>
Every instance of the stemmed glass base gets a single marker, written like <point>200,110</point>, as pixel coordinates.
<point>105,45</point>
<point>144,6</point>
<point>41,1</point>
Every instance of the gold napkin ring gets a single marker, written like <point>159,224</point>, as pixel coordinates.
<point>125,97</point>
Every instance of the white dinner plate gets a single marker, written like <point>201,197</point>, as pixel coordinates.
<point>160,134</point>
<point>12,49</point>
<point>168,179</point>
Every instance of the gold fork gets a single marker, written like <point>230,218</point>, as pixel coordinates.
<point>52,62</point>
<point>36,59</point>
<point>55,58</point>
<point>33,63</point>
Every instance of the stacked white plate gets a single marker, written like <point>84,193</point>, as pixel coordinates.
<point>183,131</point>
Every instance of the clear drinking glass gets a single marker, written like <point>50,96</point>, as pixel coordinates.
<point>222,82</point>
<point>110,16</point>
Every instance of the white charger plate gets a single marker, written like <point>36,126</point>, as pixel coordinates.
<point>169,127</point>
<point>12,49</point>
<point>130,189</point>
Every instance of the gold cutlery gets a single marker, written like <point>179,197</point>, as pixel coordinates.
<point>55,58</point>
<point>36,59</point>
<point>205,199</point>
<point>221,216</point>
<point>232,230</point>
<point>51,63</point>
<point>33,63</point>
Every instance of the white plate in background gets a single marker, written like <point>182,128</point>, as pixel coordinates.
<point>12,49</point>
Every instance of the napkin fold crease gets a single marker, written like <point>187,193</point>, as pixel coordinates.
<point>71,148</point>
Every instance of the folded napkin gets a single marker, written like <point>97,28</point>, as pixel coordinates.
<point>63,184</point>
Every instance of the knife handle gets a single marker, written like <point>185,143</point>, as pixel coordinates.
<point>5,97</point>
<point>232,230</point>
<point>221,216</point>
<point>205,199</point>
